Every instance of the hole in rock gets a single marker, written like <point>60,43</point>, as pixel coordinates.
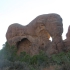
<point>50,39</point>
<point>23,45</point>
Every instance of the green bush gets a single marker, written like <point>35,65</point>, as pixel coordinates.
<point>23,57</point>
<point>39,59</point>
<point>61,58</point>
<point>24,60</point>
<point>5,63</point>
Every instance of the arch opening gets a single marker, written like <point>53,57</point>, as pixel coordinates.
<point>50,39</point>
<point>23,45</point>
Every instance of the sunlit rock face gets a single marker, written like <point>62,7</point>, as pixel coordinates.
<point>35,36</point>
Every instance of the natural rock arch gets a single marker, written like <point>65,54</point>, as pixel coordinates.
<point>38,31</point>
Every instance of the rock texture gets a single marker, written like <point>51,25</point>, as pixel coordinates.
<point>67,40</point>
<point>68,34</point>
<point>35,36</point>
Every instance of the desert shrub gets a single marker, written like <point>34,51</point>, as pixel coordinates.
<point>17,65</point>
<point>9,59</point>
<point>32,68</point>
<point>61,58</point>
<point>5,63</point>
<point>65,66</point>
<point>40,59</point>
<point>23,57</point>
<point>8,52</point>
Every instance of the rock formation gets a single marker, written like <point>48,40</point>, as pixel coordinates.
<point>67,40</point>
<point>35,36</point>
<point>68,34</point>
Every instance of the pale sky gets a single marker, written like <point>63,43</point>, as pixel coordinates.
<point>23,11</point>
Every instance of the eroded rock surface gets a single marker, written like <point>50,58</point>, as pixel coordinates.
<point>68,34</point>
<point>35,36</point>
<point>67,40</point>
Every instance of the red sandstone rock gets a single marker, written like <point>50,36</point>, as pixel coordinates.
<point>35,36</point>
<point>67,40</point>
<point>68,33</point>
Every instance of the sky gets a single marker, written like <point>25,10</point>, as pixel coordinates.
<point>24,11</point>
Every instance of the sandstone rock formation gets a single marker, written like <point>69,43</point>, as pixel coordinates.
<point>35,36</point>
<point>68,34</point>
<point>67,40</point>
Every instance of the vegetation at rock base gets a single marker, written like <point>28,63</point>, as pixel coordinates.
<point>9,60</point>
